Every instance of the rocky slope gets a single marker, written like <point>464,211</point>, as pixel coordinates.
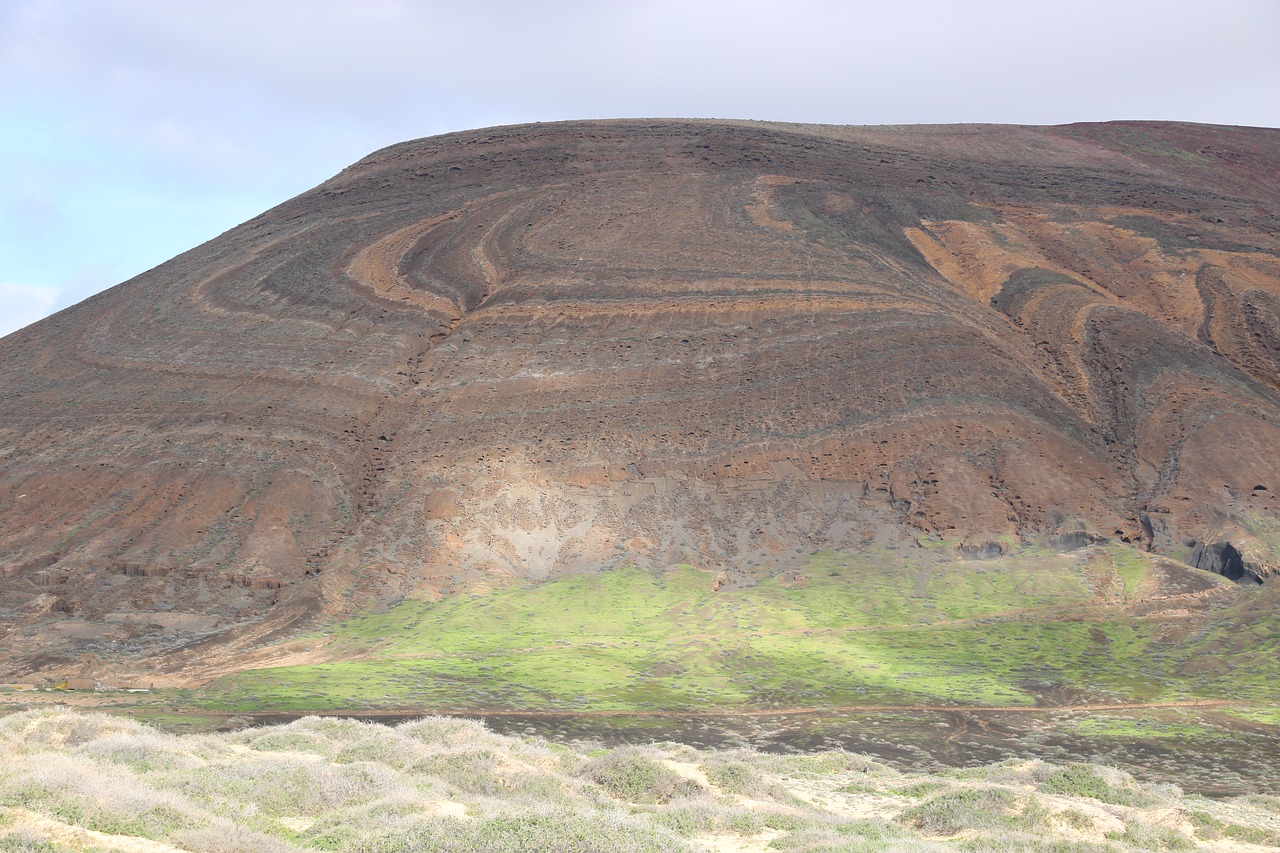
<point>526,351</point>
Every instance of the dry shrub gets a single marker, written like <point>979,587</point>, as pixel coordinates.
<point>692,815</point>
<point>25,841</point>
<point>453,732</point>
<point>1146,835</point>
<point>1011,771</point>
<point>333,729</point>
<point>225,836</point>
<point>522,830</point>
<point>142,751</point>
<point>42,729</point>
<point>370,749</point>
<point>961,809</point>
<point>1264,802</point>
<point>630,775</point>
<point>474,771</point>
<point>734,776</point>
<point>1098,783</point>
<point>287,739</point>
<point>287,786</point>
<point>862,836</point>
<point>815,765</point>
<point>111,799</point>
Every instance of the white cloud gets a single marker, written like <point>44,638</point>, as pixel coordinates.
<point>23,304</point>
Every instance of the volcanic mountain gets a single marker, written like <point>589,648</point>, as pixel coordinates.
<point>537,350</point>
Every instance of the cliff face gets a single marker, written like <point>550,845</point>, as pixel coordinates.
<point>533,350</point>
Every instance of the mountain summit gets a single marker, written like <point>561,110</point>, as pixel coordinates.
<point>530,351</point>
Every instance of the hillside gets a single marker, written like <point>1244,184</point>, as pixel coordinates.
<point>517,354</point>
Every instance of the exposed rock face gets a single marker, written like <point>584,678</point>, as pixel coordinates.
<point>983,550</point>
<point>1219,557</point>
<point>542,349</point>
<point>1223,558</point>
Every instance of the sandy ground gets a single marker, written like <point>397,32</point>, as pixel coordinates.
<point>77,838</point>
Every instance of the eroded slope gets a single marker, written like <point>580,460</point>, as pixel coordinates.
<point>527,351</point>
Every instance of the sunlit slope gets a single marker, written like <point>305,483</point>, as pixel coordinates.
<point>1109,627</point>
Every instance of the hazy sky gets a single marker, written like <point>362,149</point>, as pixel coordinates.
<point>132,130</point>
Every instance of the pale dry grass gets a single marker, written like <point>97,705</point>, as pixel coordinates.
<point>72,781</point>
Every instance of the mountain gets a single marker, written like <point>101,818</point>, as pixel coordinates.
<point>531,351</point>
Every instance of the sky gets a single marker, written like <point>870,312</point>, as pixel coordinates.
<point>133,130</point>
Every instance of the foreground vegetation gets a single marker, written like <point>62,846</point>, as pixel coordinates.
<point>889,628</point>
<point>73,781</point>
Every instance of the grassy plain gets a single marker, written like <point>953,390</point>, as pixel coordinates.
<point>78,782</point>
<point>1110,626</point>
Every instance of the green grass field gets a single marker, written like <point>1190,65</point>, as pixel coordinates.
<point>847,630</point>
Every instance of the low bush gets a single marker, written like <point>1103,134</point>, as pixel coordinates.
<point>734,777</point>
<point>25,841</point>
<point>368,749</point>
<point>690,817</point>
<point>1206,825</point>
<point>964,808</point>
<point>1265,802</point>
<point>1083,780</point>
<point>636,778</point>
<point>1252,835</point>
<point>450,731</point>
<point>228,837</point>
<point>33,730</point>
<point>477,771</point>
<point>558,831</point>
<point>289,739</point>
<point>143,752</point>
<point>1075,819</point>
<point>1152,836</point>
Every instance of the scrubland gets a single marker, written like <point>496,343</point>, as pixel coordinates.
<point>73,781</point>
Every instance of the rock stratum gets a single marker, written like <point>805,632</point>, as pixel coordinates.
<point>523,352</point>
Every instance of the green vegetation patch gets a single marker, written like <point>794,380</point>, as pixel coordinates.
<point>1265,714</point>
<point>1082,780</point>
<point>1166,724</point>
<point>877,628</point>
<point>1131,566</point>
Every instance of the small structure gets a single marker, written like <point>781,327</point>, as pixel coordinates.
<point>77,684</point>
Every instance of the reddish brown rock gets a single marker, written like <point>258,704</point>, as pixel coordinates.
<point>551,348</point>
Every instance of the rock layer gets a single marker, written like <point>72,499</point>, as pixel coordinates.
<point>525,351</point>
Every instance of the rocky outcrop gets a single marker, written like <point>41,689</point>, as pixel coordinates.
<point>1220,558</point>
<point>1225,559</point>
<point>983,550</point>
<point>551,348</point>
